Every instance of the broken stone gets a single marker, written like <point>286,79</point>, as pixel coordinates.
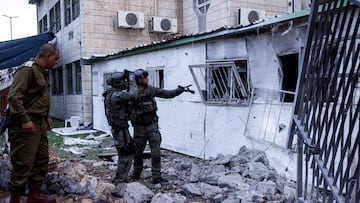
<point>216,180</point>
<point>137,192</point>
<point>267,187</point>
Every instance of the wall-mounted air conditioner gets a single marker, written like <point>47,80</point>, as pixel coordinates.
<point>130,19</point>
<point>164,24</point>
<point>248,16</point>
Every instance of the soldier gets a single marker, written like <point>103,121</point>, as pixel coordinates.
<point>28,132</point>
<point>145,122</point>
<point>123,89</point>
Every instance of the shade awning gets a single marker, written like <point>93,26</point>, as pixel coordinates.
<point>15,52</point>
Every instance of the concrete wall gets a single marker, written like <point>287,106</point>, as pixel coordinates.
<point>99,21</point>
<point>224,13</point>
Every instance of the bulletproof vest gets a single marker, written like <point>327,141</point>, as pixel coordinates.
<point>144,108</point>
<point>116,111</point>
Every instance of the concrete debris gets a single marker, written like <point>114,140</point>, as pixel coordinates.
<point>75,141</point>
<point>245,177</point>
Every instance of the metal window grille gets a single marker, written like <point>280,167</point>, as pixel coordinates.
<point>326,115</point>
<point>221,83</point>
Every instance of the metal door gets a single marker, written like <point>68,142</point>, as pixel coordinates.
<point>326,116</point>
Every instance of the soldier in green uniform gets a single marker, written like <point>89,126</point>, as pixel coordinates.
<point>123,89</point>
<point>145,122</point>
<point>28,132</point>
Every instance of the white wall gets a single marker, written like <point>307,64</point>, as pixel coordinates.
<point>188,126</point>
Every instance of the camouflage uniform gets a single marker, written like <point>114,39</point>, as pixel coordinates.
<point>145,122</point>
<point>117,113</point>
<point>29,152</point>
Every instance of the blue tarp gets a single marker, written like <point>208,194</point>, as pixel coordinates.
<point>15,52</point>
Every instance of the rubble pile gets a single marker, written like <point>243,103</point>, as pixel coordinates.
<point>245,177</point>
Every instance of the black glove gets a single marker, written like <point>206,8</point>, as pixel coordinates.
<point>186,89</point>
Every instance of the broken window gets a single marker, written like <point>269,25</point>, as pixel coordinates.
<point>221,83</point>
<point>288,75</point>
<point>156,77</point>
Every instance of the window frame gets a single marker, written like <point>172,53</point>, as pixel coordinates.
<point>56,81</point>
<point>78,77</point>
<point>55,18</point>
<point>202,6</point>
<point>71,10</point>
<point>43,25</point>
<point>156,76</point>
<point>69,78</point>
<point>106,75</point>
<point>222,83</point>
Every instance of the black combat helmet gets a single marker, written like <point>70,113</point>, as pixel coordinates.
<point>117,80</point>
<point>140,75</point>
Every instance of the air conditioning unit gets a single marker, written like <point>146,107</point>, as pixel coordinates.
<point>129,19</point>
<point>248,16</point>
<point>164,24</point>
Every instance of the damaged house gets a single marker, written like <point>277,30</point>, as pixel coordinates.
<point>244,80</point>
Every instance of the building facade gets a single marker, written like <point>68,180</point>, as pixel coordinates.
<point>86,28</point>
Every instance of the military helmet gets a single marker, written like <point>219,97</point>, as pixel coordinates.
<point>140,75</point>
<point>117,80</point>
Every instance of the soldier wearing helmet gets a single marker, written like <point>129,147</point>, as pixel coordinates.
<point>145,122</point>
<point>116,98</point>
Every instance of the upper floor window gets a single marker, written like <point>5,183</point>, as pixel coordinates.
<point>55,18</point>
<point>71,10</point>
<point>43,24</point>
<point>202,6</point>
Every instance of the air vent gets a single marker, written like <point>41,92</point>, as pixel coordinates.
<point>129,19</point>
<point>164,24</point>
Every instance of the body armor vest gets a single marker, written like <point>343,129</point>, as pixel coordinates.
<point>144,109</point>
<point>116,111</point>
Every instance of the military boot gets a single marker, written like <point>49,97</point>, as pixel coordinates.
<point>34,197</point>
<point>135,176</point>
<point>15,197</point>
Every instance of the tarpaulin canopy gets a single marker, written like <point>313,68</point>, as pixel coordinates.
<point>15,52</point>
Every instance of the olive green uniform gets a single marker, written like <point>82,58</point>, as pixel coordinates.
<point>117,113</point>
<point>29,152</point>
<point>145,122</point>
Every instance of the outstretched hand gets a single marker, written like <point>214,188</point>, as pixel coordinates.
<point>187,89</point>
